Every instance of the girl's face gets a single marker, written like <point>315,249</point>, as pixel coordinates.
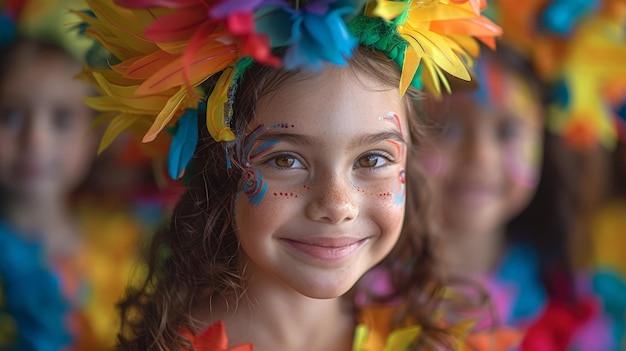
<point>44,146</point>
<point>324,191</point>
<point>484,161</point>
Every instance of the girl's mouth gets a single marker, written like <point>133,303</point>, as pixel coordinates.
<point>327,249</point>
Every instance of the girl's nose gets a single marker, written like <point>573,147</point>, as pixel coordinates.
<point>332,201</point>
<point>36,134</point>
<point>480,151</point>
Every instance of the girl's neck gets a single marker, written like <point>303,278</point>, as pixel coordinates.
<point>472,254</point>
<point>272,316</point>
<point>46,220</point>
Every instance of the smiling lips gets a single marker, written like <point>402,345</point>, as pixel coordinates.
<point>327,249</point>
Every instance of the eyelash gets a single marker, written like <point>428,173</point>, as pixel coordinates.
<point>385,155</point>
<point>271,162</point>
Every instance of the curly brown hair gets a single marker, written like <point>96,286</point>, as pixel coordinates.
<point>194,258</point>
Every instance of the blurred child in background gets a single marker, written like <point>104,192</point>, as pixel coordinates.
<point>506,206</point>
<point>65,257</point>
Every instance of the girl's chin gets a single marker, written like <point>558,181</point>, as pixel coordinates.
<point>326,289</point>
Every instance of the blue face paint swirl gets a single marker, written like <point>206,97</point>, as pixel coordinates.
<point>253,185</point>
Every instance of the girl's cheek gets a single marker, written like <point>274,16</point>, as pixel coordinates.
<point>285,193</point>
<point>435,165</point>
<point>399,195</point>
<point>388,194</point>
<point>523,161</point>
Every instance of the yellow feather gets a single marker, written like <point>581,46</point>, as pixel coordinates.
<point>461,330</point>
<point>123,24</point>
<point>389,9</point>
<point>215,118</point>
<point>403,338</point>
<point>409,67</point>
<point>126,95</point>
<point>360,337</point>
<point>120,123</point>
<point>436,48</point>
<point>175,104</point>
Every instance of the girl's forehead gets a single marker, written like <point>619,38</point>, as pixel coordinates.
<point>328,96</point>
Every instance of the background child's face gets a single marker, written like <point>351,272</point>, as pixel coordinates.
<point>324,195</point>
<point>484,162</point>
<point>44,146</point>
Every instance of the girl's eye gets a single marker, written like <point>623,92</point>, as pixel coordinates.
<point>368,161</point>
<point>11,118</point>
<point>451,129</point>
<point>286,161</point>
<point>372,161</point>
<point>508,130</point>
<point>63,119</point>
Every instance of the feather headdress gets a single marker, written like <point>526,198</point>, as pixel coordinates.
<point>163,50</point>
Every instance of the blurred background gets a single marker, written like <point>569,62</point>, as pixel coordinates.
<point>73,218</point>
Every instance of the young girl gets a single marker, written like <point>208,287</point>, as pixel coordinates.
<point>64,263</point>
<point>506,206</point>
<point>300,185</point>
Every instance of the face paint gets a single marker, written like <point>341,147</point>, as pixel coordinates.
<point>253,185</point>
<point>395,118</point>
<point>490,87</point>
<point>399,193</point>
<point>356,187</point>
<point>285,195</point>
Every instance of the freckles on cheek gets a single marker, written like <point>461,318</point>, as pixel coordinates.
<point>285,195</point>
<point>393,195</point>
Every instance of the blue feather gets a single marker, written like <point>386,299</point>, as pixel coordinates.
<point>8,30</point>
<point>183,143</point>
<point>562,16</point>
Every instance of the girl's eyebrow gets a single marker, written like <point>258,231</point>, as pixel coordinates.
<point>368,139</point>
<point>306,140</point>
